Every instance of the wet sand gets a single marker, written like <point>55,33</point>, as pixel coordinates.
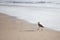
<point>12,28</point>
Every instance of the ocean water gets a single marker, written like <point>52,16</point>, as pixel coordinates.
<point>47,14</point>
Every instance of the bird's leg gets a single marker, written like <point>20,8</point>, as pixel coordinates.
<point>39,29</point>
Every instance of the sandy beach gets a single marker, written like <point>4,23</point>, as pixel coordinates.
<point>12,28</point>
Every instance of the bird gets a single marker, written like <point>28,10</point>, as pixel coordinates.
<point>40,26</point>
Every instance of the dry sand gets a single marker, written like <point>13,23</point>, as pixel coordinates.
<point>12,28</point>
